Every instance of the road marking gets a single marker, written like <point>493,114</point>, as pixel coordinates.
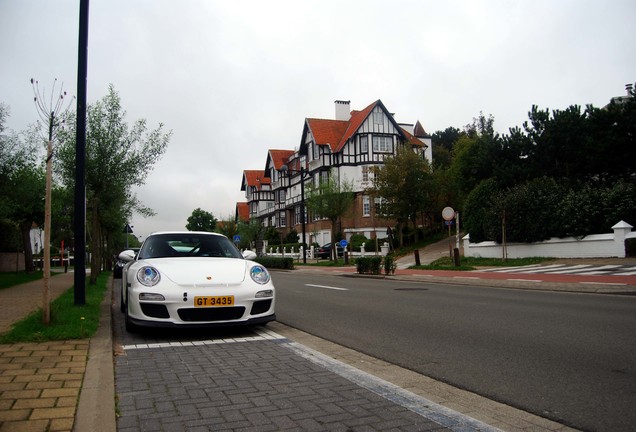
<point>525,280</point>
<point>261,335</point>
<point>571,269</point>
<point>327,287</point>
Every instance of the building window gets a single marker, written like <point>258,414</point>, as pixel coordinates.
<point>364,144</point>
<point>315,148</point>
<point>297,218</point>
<point>382,144</point>
<point>365,173</point>
<point>323,177</point>
<point>366,206</point>
<point>282,219</point>
<point>380,205</point>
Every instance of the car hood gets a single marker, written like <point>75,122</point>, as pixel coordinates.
<point>200,271</point>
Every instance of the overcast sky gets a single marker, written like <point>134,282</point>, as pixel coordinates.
<point>233,79</point>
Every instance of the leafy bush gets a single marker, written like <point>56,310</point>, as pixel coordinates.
<point>369,265</point>
<point>389,264</point>
<point>291,237</point>
<point>630,247</point>
<point>544,208</point>
<point>276,262</point>
<point>272,236</point>
<point>356,241</point>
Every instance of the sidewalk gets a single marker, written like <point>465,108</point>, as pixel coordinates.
<point>39,382</point>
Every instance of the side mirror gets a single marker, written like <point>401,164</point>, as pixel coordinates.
<point>249,255</point>
<point>127,255</point>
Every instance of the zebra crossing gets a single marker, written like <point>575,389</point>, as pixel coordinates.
<point>568,269</point>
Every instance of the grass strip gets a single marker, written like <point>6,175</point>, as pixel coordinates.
<point>470,263</point>
<point>68,321</point>
<point>9,279</point>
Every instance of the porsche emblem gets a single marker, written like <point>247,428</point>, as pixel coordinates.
<point>208,277</point>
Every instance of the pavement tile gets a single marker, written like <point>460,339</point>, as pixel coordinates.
<point>60,392</point>
<point>51,413</point>
<point>35,403</point>
<point>62,424</point>
<point>25,426</point>
<point>14,414</point>
<point>20,394</point>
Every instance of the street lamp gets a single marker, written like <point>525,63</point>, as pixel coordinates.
<point>303,174</point>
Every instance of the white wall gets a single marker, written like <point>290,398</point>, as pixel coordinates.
<point>591,246</point>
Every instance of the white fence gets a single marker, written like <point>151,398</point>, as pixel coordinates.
<point>591,246</point>
<point>297,254</point>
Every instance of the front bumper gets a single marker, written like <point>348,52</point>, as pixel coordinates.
<point>169,324</point>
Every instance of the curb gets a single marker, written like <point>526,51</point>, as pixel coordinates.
<point>96,409</point>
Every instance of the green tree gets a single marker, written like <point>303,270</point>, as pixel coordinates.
<point>118,157</point>
<point>404,184</point>
<point>443,143</point>
<point>201,220</point>
<point>250,232</point>
<point>331,199</point>
<point>227,226</point>
<point>22,183</point>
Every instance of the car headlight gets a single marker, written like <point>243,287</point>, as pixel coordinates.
<point>148,276</point>
<point>259,274</point>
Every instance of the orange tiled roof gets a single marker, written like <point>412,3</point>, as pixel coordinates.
<point>336,133</point>
<point>411,139</point>
<point>243,211</point>
<point>280,157</point>
<point>255,178</point>
<point>327,132</point>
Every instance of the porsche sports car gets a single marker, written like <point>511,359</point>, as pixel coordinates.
<point>192,279</point>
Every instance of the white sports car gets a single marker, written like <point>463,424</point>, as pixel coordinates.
<point>189,279</point>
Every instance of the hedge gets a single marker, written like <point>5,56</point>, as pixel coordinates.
<point>276,262</point>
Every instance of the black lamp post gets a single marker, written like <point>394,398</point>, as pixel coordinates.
<point>303,174</point>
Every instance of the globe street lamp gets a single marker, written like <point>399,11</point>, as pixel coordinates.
<point>303,174</point>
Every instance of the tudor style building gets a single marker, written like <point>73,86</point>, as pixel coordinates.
<point>344,148</point>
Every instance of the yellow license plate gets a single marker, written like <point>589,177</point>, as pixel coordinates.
<point>212,301</point>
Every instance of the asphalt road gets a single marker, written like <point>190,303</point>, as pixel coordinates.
<point>564,356</point>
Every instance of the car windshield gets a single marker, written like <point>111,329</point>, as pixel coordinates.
<point>188,245</point>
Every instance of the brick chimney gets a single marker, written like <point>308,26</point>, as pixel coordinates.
<point>342,110</point>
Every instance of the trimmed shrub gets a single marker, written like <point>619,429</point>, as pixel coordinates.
<point>276,263</point>
<point>369,265</point>
<point>389,264</point>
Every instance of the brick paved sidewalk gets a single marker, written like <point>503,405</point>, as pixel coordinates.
<point>39,382</point>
